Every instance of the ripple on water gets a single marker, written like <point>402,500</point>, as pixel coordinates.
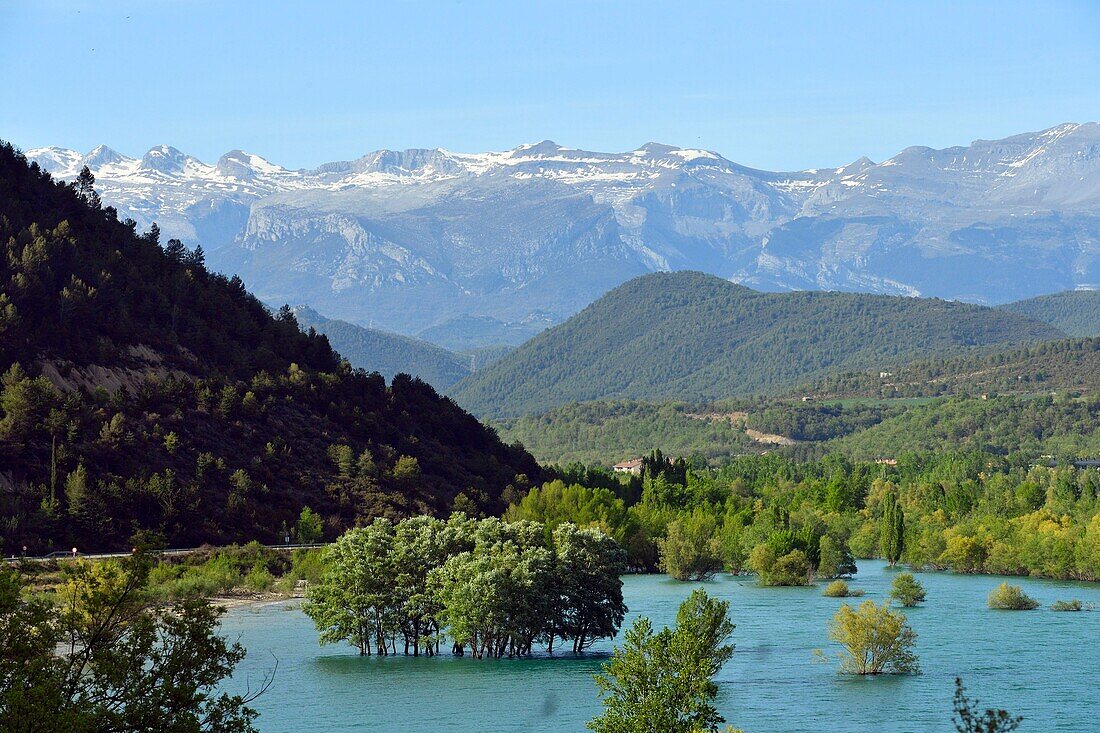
<point>1039,664</point>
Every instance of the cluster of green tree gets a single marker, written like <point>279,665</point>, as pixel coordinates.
<point>818,422</point>
<point>1077,312</point>
<point>697,337</point>
<point>107,658</point>
<point>221,421</point>
<point>1068,365</point>
<point>493,588</point>
<point>791,521</point>
<point>387,353</point>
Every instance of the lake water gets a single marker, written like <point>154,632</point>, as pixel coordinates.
<point>1039,664</point>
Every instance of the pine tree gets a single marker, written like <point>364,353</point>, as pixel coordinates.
<point>175,250</point>
<point>85,187</point>
<point>154,234</point>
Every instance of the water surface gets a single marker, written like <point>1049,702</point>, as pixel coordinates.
<point>1039,664</point>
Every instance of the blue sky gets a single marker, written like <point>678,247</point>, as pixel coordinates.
<point>779,85</point>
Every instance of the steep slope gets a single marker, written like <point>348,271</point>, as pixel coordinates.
<point>499,245</point>
<point>387,353</point>
<point>143,392</point>
<point>1077,312</point>
<point>697,337</point>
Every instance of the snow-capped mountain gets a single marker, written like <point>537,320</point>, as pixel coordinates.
<point>485,244</point>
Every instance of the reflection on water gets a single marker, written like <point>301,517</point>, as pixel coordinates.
<point>1039,664</point>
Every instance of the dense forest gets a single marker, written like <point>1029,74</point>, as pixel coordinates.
<point>697,337</point>
<point>141,392</point>
<point>791,521</point>
<point>605,432</point>
<point>389,354</point>
<point>1067,364</point>
<point>1077,312</point>
<point>1062,426</point>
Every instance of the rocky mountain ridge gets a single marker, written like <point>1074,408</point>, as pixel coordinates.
<point>414,240</point>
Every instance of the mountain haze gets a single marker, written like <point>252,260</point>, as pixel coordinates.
<point>697,337</point>
<point>500,245</point>
<point>387,353</point>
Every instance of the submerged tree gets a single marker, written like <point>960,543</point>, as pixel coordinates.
<point>690,550</point>
<point>907,590</point>
<point>663,681</point>
<point>876,640</point>
<point>495,588</point>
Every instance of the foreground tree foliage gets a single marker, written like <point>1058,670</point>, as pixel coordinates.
<point>493,588</point>
<point>103,659</point>
<point>876,640</point>
<point>663,681</point>
<point>967,719</point>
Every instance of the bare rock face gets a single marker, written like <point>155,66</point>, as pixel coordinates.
<point>418,241</point>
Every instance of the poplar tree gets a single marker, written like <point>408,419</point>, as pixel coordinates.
<point>892,537</point>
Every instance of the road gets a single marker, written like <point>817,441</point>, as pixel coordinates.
<point>62,555</point>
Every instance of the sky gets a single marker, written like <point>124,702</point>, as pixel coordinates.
<point>775,85</point>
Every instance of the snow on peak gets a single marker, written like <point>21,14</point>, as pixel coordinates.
<point>166,159</point>
<point>101,155</point>
<point>239,164</point>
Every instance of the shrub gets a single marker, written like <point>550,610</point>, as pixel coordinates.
<point>876,640</point>
<point>1074,605</point>
<point>840,589</point>
<point>790,569</point>
<point>907,590</point>
<point>1007,597</point>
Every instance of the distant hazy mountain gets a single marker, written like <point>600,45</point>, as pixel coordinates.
<point>388,353</point>
<point>693,336</point>
<point>492,247</point>
<point>1077,312</point>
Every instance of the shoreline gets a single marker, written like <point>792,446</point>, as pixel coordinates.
<point>230,603</point>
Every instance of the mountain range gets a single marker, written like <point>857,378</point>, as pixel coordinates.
<point>493,247</point>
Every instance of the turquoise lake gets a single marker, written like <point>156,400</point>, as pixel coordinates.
<point>1039,664</point>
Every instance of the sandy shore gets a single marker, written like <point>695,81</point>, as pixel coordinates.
<point>253,599</point>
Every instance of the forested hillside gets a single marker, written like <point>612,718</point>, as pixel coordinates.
<point>1077,312</point>
<point>387,353</point>
<point>143,392</point>
<point>690,336</point>
<point>1068,364</point>
<point>1061,426</point>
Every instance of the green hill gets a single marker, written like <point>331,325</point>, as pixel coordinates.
<point>388,353</point>
<point>695,337</point>
<point>142,392</point>
<point>1066,365</point>
<point>1077,312</point>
